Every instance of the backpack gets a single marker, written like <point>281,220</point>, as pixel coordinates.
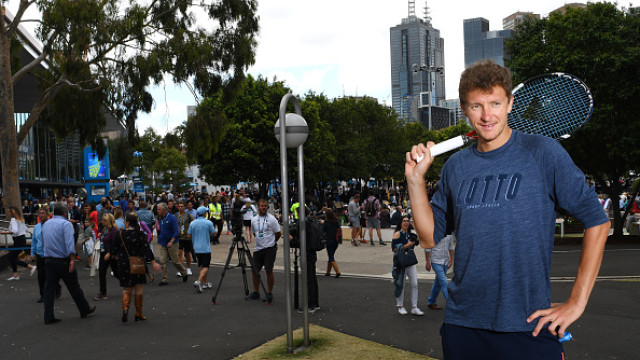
<point>315,235</point>
<point>370,208</point>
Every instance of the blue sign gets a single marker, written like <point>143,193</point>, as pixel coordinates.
<point>95,167</point>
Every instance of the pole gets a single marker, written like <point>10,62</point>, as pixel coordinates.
<point>303,246</point>
<point>285,211</point>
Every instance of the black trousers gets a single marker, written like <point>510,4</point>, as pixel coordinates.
<point>57,269</point>
<point>18,242</point>
<point>42,276</point>
<point>103,266</point>
<point>312,279</point>
<point>218,225</point>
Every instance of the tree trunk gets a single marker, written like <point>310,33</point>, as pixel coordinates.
<point>8,135</point>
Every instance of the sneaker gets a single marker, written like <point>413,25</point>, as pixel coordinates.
<point>402,310</point>
<point>13,278</point>
<point>311,310</point>
<point>269,298</point>
<point>254,296</point>
<point>207,286</point>
<point>189,271</point>
<point>382,243</point>
<point>198,286</point>
<point>178,274</point>
<point>372,243</point>
<point>416,311</point>
<point>99,296</point>
<point>33,270</point>
<point>316,308</point>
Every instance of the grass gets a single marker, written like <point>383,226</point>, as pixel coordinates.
<point>327,344</point>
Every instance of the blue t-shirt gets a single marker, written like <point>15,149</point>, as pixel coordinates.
<point>502,205</point>
<point>201,230</point>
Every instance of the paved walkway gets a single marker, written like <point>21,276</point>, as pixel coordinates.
<point>184,324</point>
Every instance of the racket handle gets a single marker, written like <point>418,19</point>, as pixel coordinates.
<point>447,145</point>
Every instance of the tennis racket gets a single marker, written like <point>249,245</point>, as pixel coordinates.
<point>555,105</point>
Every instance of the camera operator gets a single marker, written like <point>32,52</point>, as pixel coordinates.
<point>312,259</point>
<point>266,229</point>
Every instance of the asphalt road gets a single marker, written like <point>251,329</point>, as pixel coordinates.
<point>184,324</point>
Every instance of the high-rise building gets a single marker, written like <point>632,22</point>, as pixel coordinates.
<point>480,43</point>
<point>511,21</point>
<point>417,67</point>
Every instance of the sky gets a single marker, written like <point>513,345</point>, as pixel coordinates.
<point>341,47</point>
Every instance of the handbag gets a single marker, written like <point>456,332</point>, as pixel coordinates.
<point>406,257</point>
<point>136,263</point>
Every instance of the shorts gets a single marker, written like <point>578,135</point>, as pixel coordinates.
<point>487,344</point>
<point>355,222</point>
<point>204,260</point>
<point>265,257</point>
<point>373,223</point>
<point>246,223</point>
<point>185,245</point>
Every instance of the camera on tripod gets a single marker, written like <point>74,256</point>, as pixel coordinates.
<point>236,221</point>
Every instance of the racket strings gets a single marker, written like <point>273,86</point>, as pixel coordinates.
<point>550,106</point>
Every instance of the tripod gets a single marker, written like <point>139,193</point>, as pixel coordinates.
<point>244,253</point>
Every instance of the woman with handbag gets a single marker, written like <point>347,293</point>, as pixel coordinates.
<point>404,262</point>
<point>131,251</point>
<point>333,235</point>
<point>18,231</point>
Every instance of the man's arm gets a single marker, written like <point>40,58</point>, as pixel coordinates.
<point>420,208</point>
<point>560,316</point>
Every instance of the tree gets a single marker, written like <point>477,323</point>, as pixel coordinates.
<point>242,132</point>
<point>599,44</point>
<point>104,55</point>
<point>171,164</point>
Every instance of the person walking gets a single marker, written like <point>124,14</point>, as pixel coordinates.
<point>215,215</point>
<point>332,235</point>
<point>372,215</point>
<point>403,239</point>
<point>440,258</point>
<point>59,251</point>
<point>17,230</point>
<point>131,242</point>
<point>354,213</point>
<point>201,232</point>
<point>168,241</point>
<point>37,253</point>
<point>110,232</point>
<point>266,229</point>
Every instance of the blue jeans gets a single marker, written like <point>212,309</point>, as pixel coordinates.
<point>440,283</point>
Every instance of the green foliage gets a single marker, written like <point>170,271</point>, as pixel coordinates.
<point>601,45</point>
<point>171,164</point>
<point>120,156</point>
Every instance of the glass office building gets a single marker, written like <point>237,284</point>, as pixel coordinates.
<point>416,42</point>
<point>480,43</point>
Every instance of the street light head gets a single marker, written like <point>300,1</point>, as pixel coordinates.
<point>297,130</point>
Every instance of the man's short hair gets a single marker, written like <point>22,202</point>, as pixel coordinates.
<point>162,205</point>
<point>59,208</point>
<point>484,75</point>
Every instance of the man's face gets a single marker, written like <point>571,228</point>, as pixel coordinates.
<point>262,208</point>
<point>170,204</point>
<point>487,112</point>
<point>162,211</point>
<point>181,208</point>
<point>42,215</point>
<point>189,206</point>
<point>70,205</point>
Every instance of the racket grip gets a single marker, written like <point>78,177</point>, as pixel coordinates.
<point>447,145</point>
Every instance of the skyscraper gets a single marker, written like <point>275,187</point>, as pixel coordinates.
<point>417,66</point>
<point>480,43</point>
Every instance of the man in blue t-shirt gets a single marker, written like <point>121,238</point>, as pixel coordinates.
<point>500,196</point>
<point>201,231</point>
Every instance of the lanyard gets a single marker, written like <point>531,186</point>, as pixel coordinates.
<point>260,230</point>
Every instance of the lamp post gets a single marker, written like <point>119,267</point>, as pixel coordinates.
<point>291,130</point>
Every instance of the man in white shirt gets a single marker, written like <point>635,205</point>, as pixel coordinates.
<point>266,231</point>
